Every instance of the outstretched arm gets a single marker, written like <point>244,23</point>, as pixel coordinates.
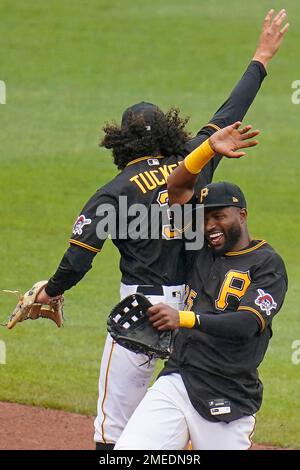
<point>242,96</point>
<point>85,243</point>
<point>240,99</point>
<point>270,40</point>
<point>227,141</point>
<point>271,37</point>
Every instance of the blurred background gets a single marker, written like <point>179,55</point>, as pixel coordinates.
<point>69,66</point>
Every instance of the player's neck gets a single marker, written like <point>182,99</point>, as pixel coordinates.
<point>243,242</point>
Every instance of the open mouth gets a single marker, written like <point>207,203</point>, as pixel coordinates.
<point>216,238</point>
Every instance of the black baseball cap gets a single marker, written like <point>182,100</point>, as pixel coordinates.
<point>222,194</point>
<point>149,112</point>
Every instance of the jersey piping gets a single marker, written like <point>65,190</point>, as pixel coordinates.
<point>253,310</point>
<point>248,250</point>
<point>141,159</point>
<point>84,245</point>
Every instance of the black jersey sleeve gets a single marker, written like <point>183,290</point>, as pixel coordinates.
<point>233,109</point>
<point>233,325</point>
<point>241,98</point>
<point>76,262</point>
<point>267,290</point>
<point>96,222</point>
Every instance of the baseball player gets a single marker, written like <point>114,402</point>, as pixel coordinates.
<point>209,390</point>
<point>147,147</point>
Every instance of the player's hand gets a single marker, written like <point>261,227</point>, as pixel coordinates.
<point>43,297</point>
<point>163,317</point>
<point>230,139</point>
<point>271,37</point>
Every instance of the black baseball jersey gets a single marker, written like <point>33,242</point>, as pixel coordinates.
<point>156,257</point>
<point>236,297</point>
<point>147,261</point>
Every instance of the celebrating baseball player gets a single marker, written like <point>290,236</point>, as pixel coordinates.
<point>146,148</point>
<point>209,389</point>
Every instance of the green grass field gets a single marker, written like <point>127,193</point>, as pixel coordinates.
<point>69,66</point>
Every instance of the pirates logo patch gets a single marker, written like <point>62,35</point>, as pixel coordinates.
<point>81,221</point>
<point>265,302</point>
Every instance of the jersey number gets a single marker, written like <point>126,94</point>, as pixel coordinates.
<point>167,231</point>
<point>189,298</point>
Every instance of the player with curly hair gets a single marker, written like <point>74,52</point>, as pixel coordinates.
<point>147,147</point>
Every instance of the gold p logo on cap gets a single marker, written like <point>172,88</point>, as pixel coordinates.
<point>203,194</point>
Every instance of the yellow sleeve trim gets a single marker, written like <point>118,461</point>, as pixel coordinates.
<point>186,319</point>
<point>199,157</point>
<point>259,315</point>
<point>84,245</point>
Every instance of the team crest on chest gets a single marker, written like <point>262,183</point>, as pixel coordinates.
<point>265,302</point>
<point>81,221</point>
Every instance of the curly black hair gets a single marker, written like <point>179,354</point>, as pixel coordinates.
<point>128,142</point>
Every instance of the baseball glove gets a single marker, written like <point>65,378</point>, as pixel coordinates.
<point>129,325</point>
<point>28,309</point>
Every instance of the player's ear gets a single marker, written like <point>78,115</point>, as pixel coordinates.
<point>243,215</point>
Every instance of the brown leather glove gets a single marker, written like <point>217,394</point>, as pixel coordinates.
<point>28,309</point>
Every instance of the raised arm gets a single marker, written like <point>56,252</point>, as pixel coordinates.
<point>241,98</point>
<point>271,37</point>
<point>243,94</point>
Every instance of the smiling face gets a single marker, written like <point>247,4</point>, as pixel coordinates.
<point>225,228</point>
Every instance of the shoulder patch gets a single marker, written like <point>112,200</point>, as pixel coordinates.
<point>80,222</point>
<point>265,302</point>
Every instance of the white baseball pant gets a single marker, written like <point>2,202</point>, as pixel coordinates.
<point>166,420</point>
<point>123,381</point>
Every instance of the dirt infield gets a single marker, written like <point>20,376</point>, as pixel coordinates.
<point>31,428</point>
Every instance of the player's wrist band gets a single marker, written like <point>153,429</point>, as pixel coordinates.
<point>186,319</point>
<point>198,158</point>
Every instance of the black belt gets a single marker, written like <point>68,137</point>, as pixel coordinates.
<point>150,290</point>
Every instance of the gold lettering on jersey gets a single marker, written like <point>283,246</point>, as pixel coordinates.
<point>228,289</point>
<point>203,194</point>
<point>135,179</point>
<point>172,167</point>
<point>149,180</point>
<point>164,171</point>
<point>189,298</point>
<point>158,182</point>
